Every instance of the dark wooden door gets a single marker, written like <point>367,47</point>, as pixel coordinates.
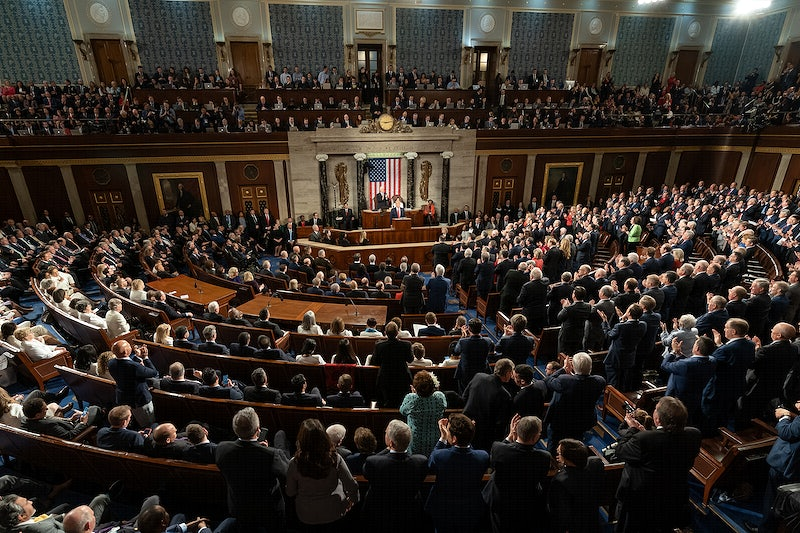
<point>109,209</point>
<point>245,58</point>
<point>370,56</point>
<point>686,66</point>
<point>589,66</point>
<point>793,56</point>
<point>485,63</point>
<point>109,60</point>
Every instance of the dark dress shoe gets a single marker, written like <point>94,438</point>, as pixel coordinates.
<point>63,393</point>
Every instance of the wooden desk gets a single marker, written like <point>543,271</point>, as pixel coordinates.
<point>382,219</point>
<point>292,311</point>
<point>200,293</point>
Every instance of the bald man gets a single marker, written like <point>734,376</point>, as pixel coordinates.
<point>767,373</point>
<point>130,369</point>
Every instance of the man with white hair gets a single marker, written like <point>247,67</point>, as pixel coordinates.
<point>213,314</point>
<point>438,287</point>
<point>572,410</point>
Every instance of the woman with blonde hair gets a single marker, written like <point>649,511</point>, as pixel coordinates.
<point>35,348</point>
<point>249,279</point>
<point>233,275</point>
<point>138,294</point>
<point>102,365</point>
<point>566,249</point>
<point>162,335</point>
<point>309,325</point>
<point>12,405</point>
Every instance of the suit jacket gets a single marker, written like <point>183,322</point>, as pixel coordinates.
<point>201,453</point>
<point>246,465</point>
<point>455,501</point>
<point>183,343</point>
<point>116,324</point>
<point>392,356</point>
<point>708,322</point>
<point>226,393</point>
<point>263,395</point>
<point>756,313</point>
<point>437,294</point>
<point>393,498</point>
<point>512,285</point>
<point>395,214</point>
<point>625,337</point>
<point>474,352</point>
<point>131,381</point>
<point>573,323</point>
<point>412,292</point>
<point>516,347</point>
<point>242,350</point>
<point>572,409</point>
<point>488,403</point>
<point>504,493</point>
<point>213,347</point>
<point>764,379</point>
<point>268,324</point>
<point>346,401</point>
<point>172,314</point>
<point>574,496</point>
<point>687,379</point>
<point>187,386</point>
<point>55,427</point>
<point>656,462</point>
<point>726,385</point>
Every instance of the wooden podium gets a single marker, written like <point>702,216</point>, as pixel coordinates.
<point>401,224</point>
<point>375,219</point>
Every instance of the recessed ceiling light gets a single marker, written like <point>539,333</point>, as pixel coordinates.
<point>747,7</point>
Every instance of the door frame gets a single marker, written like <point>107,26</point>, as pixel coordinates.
<point>129,53</point>
<point>265,57</point>
<point>671,66</point>
<point>497,47</point>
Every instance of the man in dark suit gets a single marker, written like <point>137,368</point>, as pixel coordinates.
<point>758,306</point>
<point>247,463</point>
<point>258,391</point>
<point>412,291</point>
<point>767,373</point>
<point>512,285</point>
<point>213,313</point>
<point>398,211</point>
<point>202,450</point>
<point>657,462</point>
<point>689,375</point>
<point>625,337</point>
<point>394,378</point>
<point>346,397</point>
<point>714,319</point>
<point>431,329</point>
<point>441,252</point>
<point>529,400</point>
<point>36,420</point>
<point>381,199</point>
<point>242,347</point>
<point>181,339</point>
<point>728,382</point>
<point>264,322</point>
<point>455,501</point>
<point>572,410</point>
<point>177,382</point>
<point>395,481</point>
<point>438,287</point>
<point>289,232</point>
<point>211,387</point>
<point>160,302</point>
<point>266,351</point>
<point>572,318</point>
<point>349,220</point>
<point>299,397</point>
<point>211,345</point>
<point>514,344</point>
<point>504,493</point>
<point>474,351</point>
<point>130,375</point>
<point>488,403</point>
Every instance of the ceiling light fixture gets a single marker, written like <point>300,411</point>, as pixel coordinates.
<point>645,2</point>
<point>748,7</point>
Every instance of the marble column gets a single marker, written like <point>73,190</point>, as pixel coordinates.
<point>22,193</point>
<point>361,170</point>
<point>411,179</point>
<point>136,192</point>
<point>445,207</point>
<point>73,194</point>
<point>323,184</point>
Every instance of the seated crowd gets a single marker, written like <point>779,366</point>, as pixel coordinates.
<point>51,109</point>
<point>727,348</point>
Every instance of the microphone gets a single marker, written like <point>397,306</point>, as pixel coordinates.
<point>273,294</point>
<point>199,289</point>
<point>351,302</point>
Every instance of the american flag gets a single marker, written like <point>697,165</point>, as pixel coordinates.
<point>386,172</point>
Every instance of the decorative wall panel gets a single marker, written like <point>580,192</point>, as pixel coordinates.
<point>541,41</point>
<point>175,34</point>
<point>36,44</point>
<point>430,39</point>
<point>307,36</point>
<point>642,47</point>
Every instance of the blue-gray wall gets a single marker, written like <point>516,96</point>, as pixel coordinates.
<point>429,39</point>
<point>36,44</point>
<point>541,41</point>
<point>642,47</point>
<point>175,34</point>
<point>307,36</point>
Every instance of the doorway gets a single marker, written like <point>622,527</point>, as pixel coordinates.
<point>589,66</point>
<point>370,56</point>
<point>686,66</point>
<point>245,58</point>
<point>109,60</point>
<point>109,209</point>
<point>255,197</point>
<point>485,69</point>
